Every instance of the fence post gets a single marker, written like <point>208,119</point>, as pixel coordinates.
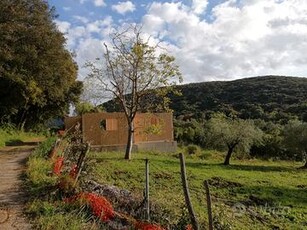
<point>206,184</point>
<point>147,190</point>
<point>187,193</point>
<point>80,163</point>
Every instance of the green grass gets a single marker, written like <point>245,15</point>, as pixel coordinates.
<point>46,207</point>
<point>56,215</point>
<point>11,136</point>
<point>249,194</point>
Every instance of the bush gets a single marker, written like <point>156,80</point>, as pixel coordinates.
<point>193,150</point>
<point>44,148</point>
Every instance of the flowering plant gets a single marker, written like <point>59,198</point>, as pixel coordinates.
<point>100,206</point>
<point>58,166</point>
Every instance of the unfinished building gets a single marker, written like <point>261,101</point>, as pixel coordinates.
<point>109,131</point>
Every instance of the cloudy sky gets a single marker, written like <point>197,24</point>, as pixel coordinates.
<point>211,39</point>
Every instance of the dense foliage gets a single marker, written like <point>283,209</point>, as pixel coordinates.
<point>295,138</point>
<point>37,74</point>
<point>270,98</point>
<point>270,101</point>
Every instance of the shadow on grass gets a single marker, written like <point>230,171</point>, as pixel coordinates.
<point>267,195</point>
<point>18,142</point>
<point>204,165</point>
<point>261,168</point>
<point>258,168</point>
<point>14,142</point>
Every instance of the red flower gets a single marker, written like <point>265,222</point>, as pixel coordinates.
<point>147,226</point>
<point>58,165</point>
<point>189,227</point>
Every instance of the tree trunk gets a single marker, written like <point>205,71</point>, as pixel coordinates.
<point>227,159</point>
<point>23,118</point>
<point>129,141</point>
<point>305,158</point>
<point>22,122</point>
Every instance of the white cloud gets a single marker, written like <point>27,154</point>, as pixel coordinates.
<point>81,19</point>
<point>99,3</point>
<point>199,6</point>
<point>63,26</point>
<point>86,40</point>
<point>250,38</point>
<point>256,37</point>
<point>124,7</point>
<point>95,2</point>
<point>67,8</point>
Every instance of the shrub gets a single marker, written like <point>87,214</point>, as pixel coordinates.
<point>44,148</point>
<point>192,150</point>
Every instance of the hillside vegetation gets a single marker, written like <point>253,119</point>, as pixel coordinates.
<point>270,98</point>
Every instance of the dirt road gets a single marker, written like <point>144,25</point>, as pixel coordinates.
<point>12,195</point>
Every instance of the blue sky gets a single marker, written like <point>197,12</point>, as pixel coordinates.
<point>210,39</point>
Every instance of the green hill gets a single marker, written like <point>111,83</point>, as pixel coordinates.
<point>270,98</point>
<point>275,98</point>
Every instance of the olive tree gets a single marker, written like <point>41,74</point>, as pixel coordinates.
<point>134,71</point>
<point>233,133</point>
<point>295,138</point>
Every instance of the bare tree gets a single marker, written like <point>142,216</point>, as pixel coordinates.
<point>132,70</point>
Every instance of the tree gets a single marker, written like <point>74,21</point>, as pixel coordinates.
<point>37,74</point>
<point>135,74</point>
<point>295,138</point>
<point>233,133</point>
<point>271,146</point>
<point>189,132</point>
<point>86,107</point>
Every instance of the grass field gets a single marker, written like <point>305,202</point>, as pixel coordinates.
<point>249,194</point>
<point>15,137</point>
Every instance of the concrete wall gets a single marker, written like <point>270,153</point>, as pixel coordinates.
<point>160,146</point>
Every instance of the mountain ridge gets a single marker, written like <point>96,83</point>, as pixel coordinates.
<point>269,97</point>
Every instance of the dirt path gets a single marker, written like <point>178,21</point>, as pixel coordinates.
<point>12,196</point>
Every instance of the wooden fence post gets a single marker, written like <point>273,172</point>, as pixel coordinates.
<point>147,190</point>
<point>206,184</point>
<point>80,163</point>
<point>187,193</point>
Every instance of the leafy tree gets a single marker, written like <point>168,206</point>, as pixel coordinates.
<point>37,74</point>
<point>232,133</point>
<point>295,138</point>
<point>189,132</point>
<point>86,107</point>
<point>135,74</point>
<point>271,146</point>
